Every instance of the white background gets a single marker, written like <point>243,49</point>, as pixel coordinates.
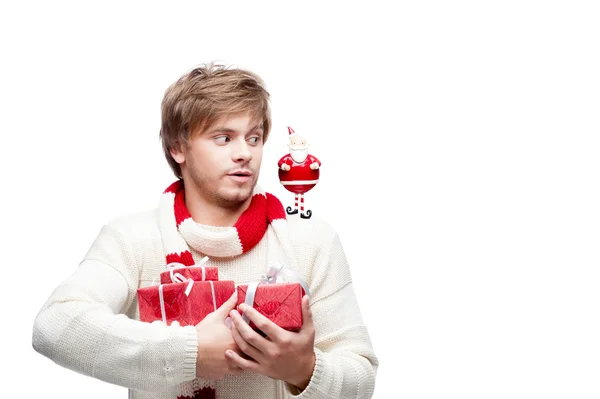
<point>459,143</point>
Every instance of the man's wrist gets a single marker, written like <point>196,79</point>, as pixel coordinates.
<point>200,361</point>
<point>303,382</point>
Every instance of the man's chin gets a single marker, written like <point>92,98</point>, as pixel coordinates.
<point>235,198</point>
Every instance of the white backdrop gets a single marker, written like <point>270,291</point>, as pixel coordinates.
<point>459,143</point>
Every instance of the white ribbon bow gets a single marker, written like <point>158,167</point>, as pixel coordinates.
<point>178,277</point>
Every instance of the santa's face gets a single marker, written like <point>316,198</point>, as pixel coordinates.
<point>298,148</point>
<point>220,166</point>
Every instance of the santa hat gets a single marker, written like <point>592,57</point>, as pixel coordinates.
<point>291,131</point>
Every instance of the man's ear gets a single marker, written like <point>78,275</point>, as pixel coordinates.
<point>177,153</point>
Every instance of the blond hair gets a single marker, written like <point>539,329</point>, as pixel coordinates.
<point>204,95</point>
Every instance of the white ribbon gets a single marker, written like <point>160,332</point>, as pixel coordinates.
<point>212,287</point>
<point>178,277</point>
<point>162,304</point>
<point>271,278</point>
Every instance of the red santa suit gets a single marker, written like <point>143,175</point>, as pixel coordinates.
<point>300,178</point>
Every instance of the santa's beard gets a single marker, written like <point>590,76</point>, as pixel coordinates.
<point>299,154</point>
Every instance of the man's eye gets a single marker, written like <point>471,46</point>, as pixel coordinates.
<point>254,140</point>
<point>222,139</point>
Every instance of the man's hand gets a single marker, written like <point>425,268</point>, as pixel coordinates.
<point>283,355</point>
<point>314,165</point>
<point>214,338</point>
<point>285,167</point>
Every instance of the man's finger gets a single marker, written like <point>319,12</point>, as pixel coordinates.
<point>247,348</point>
<point>247,334</point>
<point>307,319</point>
<point>261,322</point>
<point>227,306</point>
<point>235,360</point>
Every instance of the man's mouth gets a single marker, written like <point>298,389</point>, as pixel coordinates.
<point>240,173</point>
<point>240,176</point>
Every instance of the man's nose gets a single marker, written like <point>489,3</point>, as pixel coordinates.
<point>242,151</point>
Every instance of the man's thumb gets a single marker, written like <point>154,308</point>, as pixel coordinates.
<point>306,312</point>
<point>227,306</point>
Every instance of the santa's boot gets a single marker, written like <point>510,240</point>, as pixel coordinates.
<point>306,214</point>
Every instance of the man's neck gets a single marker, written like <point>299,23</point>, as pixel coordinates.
<point>210,214</point>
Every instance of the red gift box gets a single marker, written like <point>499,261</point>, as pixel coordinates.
<point>196,273</point>
<point>281,303</point>
<point>187,309</point>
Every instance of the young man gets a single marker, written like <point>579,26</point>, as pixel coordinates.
<point>215,121</point>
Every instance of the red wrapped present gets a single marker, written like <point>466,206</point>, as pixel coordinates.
<point>183,273</point>
<point>281,303</point>
<point>187,302</point>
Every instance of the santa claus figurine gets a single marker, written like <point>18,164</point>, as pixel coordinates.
<point>298,172</point>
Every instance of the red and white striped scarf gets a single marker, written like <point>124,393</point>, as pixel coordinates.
<point>179,232</point>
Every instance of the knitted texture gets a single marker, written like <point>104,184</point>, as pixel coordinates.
<point>91,324</point>
<point>179,230</point>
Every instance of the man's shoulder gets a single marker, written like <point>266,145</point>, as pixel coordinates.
<point>141,224</point>
<point>314,231</point>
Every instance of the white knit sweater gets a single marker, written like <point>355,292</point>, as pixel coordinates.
<point>91,323</point>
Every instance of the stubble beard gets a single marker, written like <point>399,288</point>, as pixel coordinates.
<point>217,192</point>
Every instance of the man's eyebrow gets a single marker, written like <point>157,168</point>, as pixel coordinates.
<point>222,130</point>
<point>230,130</point>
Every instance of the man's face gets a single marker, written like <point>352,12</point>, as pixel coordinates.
<point>222,163</point>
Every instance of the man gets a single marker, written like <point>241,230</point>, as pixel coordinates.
<point>215,121</point>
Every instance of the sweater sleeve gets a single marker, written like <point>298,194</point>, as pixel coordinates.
<point>83,326</point>
<point>346,364</point>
